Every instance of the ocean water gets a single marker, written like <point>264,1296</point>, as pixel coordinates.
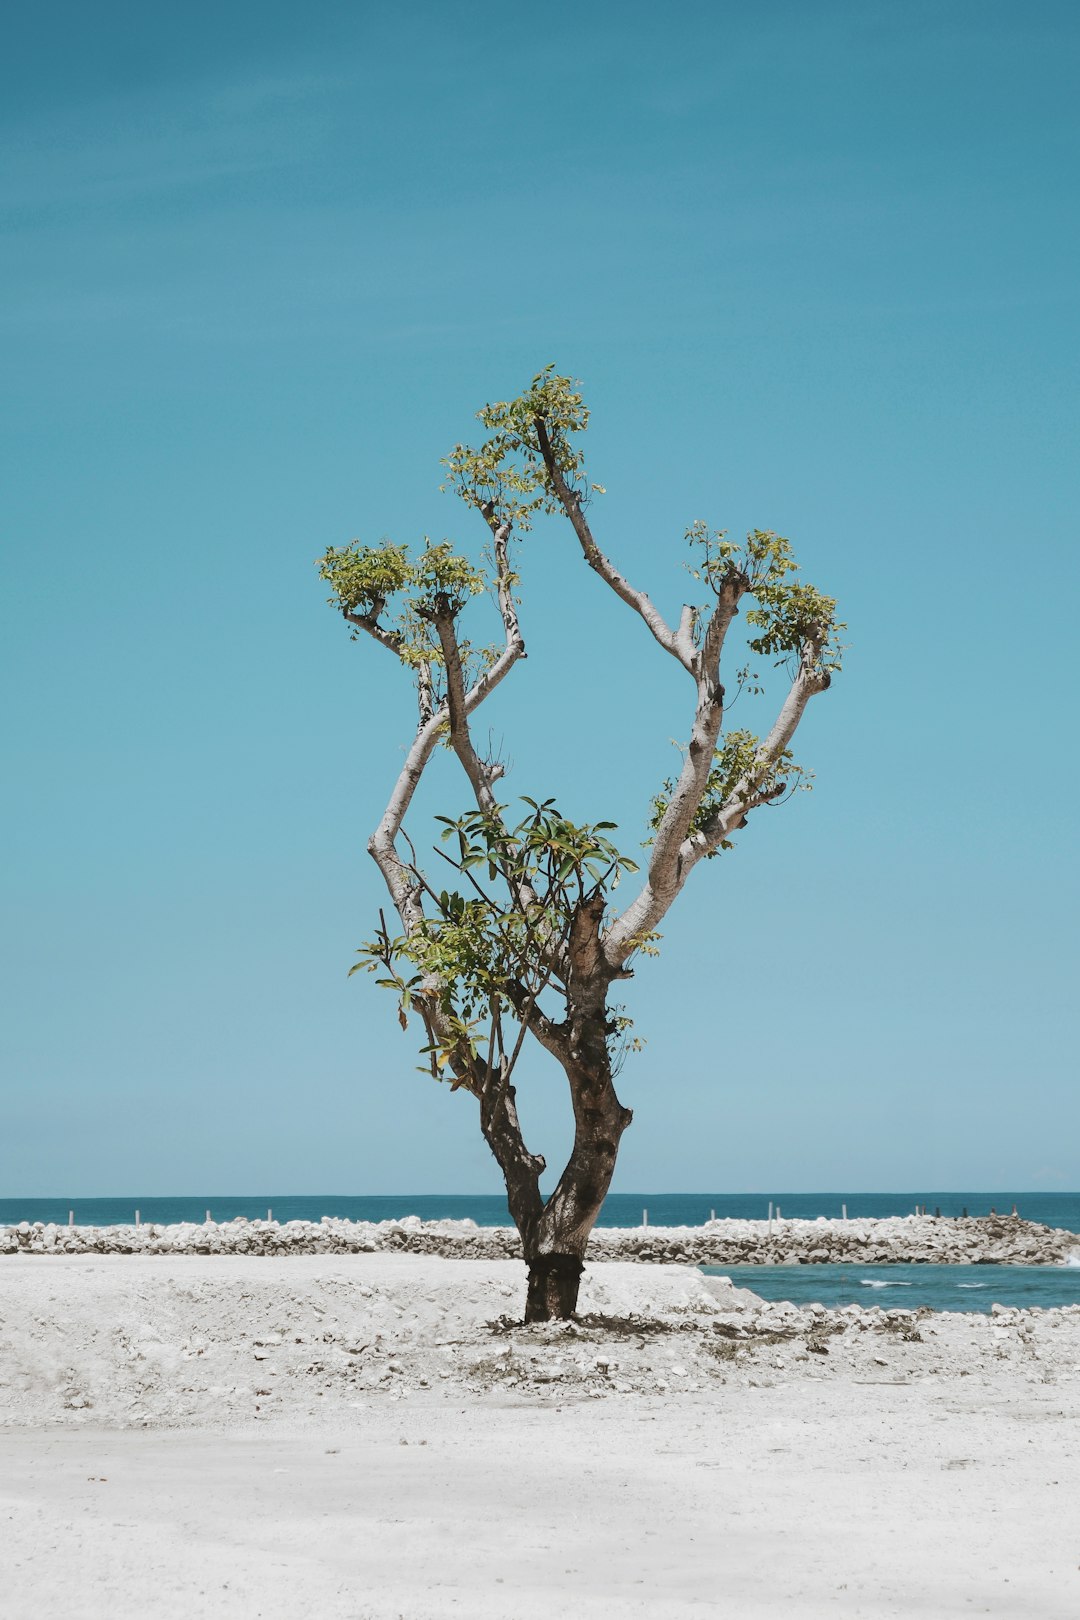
<point>620,1209</point>
<point>944,1288</point>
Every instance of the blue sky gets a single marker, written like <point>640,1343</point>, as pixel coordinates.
<point>816,267</point>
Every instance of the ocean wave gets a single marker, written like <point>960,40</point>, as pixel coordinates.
<point>1072,1259</point>
<point>971,1285</point>
<point>872,1282</point>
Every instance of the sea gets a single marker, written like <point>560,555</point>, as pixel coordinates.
<point>943,1288</point>
<point>620,1209</point>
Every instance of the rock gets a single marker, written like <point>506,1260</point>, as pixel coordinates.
<point>909,1238</point>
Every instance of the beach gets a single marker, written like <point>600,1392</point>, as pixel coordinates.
<point>374,1435</point>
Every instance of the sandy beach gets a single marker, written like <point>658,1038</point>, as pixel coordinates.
<point>371,1436</point>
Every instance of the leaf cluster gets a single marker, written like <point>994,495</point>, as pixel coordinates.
<point>506,477</point>
<point>790,615</point>
<point>494,949</point>
<point>739,776</point>
<point>399,595</point>
<point>366,579</point>
<point>620,1041</point>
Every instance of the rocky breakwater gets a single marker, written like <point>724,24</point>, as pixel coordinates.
<point>919,1239</point>
<point>1000,1240</point>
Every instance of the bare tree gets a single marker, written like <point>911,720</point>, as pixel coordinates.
<point>525,942</point>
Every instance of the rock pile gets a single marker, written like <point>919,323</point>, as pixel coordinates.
<point>922,1239</point>
<point>1001,1240</point>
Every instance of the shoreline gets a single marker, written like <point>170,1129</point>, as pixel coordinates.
<point>928,1239</point>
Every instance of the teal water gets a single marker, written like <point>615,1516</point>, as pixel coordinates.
<point>620,1209</point>
<point>945,1288</point>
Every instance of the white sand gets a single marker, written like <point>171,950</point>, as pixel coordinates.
<point>702,1457</point>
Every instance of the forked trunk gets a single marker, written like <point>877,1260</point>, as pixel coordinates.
<point>555,1233</point>
<point>555,1249</point>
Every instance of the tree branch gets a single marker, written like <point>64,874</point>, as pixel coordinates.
<point>570,502</point>
<point>502,1133</point>
<point>369,622</point>
<point>744,797</point>
<point>662,881</point>
<point>425,691</point>
<point>481,776</point>
<point>381,845</point>
<point>552,1036</point>
<point>500,535</point>
<point>671,865</point>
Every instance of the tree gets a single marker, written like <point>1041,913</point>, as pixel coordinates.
<point>525,941</point>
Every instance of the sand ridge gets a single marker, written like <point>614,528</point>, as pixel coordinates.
<point>167,1340</point>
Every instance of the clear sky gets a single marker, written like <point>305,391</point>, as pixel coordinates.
<point>816,266</point>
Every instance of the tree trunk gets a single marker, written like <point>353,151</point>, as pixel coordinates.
<point>555,1234</point>
<point>554,1280</point>
<point>556,1256</point>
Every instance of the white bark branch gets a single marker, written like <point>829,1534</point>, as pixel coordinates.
<point>405,889</point>
<point>671,642</point>
<point>684,636</point>
<point>662,881</point>
<point>381,845</point>
<point>425,691</point>
<point>369,622</point>
<point>745,796</point>
<point>671,866</point>
<point>482,776</point>
<point>500,535</point>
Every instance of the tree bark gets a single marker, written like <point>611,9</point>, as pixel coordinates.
<point>554,1281</point>
<point>521,1169</point>
<point>555,1234</point>
<point>556,1254</point>
<point>555,1250</point>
